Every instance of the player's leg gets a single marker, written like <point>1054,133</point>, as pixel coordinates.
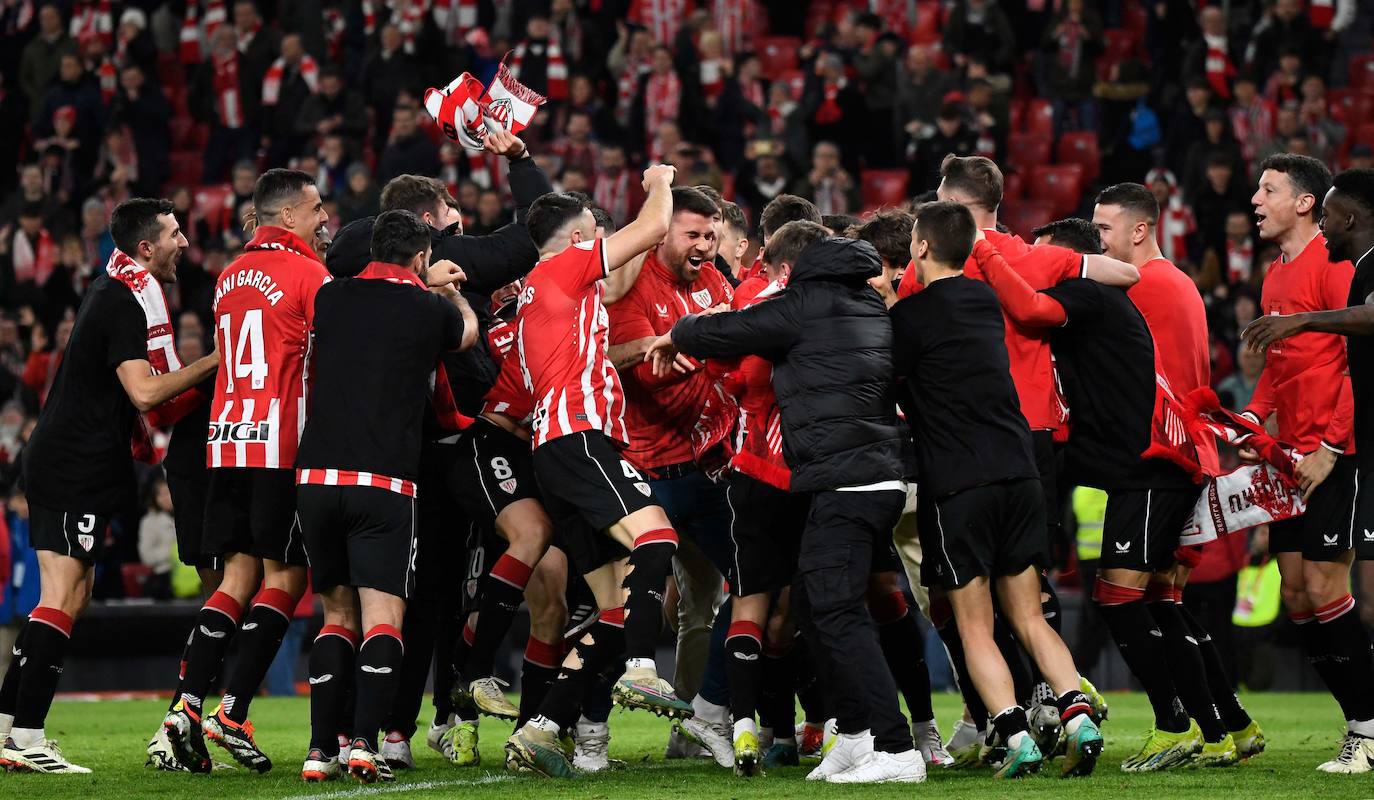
<point>332,658</point>
<point>546,596</point>
<point>899,635</point>
<point>1347,646</point>
<point>1185,659</point>
<point>31,680</point>
<point>652,542</point>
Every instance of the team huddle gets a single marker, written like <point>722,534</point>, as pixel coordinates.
<point>610,426</point>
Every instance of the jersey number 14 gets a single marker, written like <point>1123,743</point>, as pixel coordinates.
<point>247,358</point>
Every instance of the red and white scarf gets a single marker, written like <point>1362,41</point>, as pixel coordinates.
<point>271,82</point>
<point>33,261</point>
<point>736,20</point>
<point>1176,219</point>
<point>1253,126</point>
<point>109,79</point>
<point>627,86</point>
<point>455,18</point>
<point>409,18</point>
<point>92,18</point>
<point>829,111</point>
<point>1321,13</point>
<point>712,75</point>
<point>556,69</point>
<point>215,16</point>
<point>188,47</point>
<point>1218,66</point>
<point>228,104</point>
<point>612,192</point>
<point>662,101</point>
<point>1240,260</point>
<point>661,17</point>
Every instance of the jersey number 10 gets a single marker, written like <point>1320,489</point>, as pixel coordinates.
<point>247,358</point>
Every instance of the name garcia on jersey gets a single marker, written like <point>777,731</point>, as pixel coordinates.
<point>252,278</point>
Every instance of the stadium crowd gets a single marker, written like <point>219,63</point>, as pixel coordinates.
<point>242,114</point>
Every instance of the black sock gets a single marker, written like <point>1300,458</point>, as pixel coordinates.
<point>503,590</point>
<point>596,699</point>
<point>903,649</point>
<point>599,650</point>
<point>331,677</point>
<point>1233,714</point>
<point>462,645</point>
<point>954,647</point>
<point>1010,722</point>
<point>259,640</point>
<point>1185,660</point>
<point>1022,680</point>
<point>743,667</point>
<point>1072,704</point>
<point>778,693</point>
<point>1348,649</point>
<point>538,672</point>
<point>181,669</point>
<point>443,669</point>
<point>215,626</point>
<point>1138,640</point>
<point>1049,607</point>
<point>46,636</point>
<point>9,689</point>
<point>1314,648</point>
<point>375,679</point>
<point>650,562</point>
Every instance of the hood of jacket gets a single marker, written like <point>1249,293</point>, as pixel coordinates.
<point>837,259</point>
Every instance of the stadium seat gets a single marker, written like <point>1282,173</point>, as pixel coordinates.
<point>209,203</point>
<point>778,54</point>
<point>180,127</point>
<point>1352,107</point>
<point>1362,71</point>
<point>927,28</point>
<point>1039,117</point>
<point>1060,186</point>
<point>1080,147</point>
<point>1013,186</point>
<point>1026,150</point>
<point>1025,216</point>
<point>883,187</point>
<point>133,575</point>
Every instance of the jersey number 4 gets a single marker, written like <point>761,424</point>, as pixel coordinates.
<point>245,357</point>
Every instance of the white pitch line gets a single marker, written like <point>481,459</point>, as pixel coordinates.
<point>404,787</point>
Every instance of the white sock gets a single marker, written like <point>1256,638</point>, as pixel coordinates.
<point>746,724</point>
<point>1363,727</point>
<point>27,737</point>
<point>861,735</point>
<point>707,711</point>
<point>544,724</point>
<point>641,663</point>
<point>6,722</point>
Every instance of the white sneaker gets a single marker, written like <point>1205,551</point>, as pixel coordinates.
<point>847,751</point>
<point>43,757</point>
<point>438,742</point>
<point>714,736</point>
<point>880,767</point>
<point>926,736</point>
<point>680,746</point>
<point>592,749</point>
<point>396,751</point>
<point>1355,755</point>
<point>161,754</point>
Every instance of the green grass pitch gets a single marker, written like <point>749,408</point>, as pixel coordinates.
<point>109,737</point>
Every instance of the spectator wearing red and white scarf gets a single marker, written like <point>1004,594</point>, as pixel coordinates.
<point>629,61</point>
<point>736,20</point>
<point>538,61</point>
<point>713,67</point>
<point>92,18</point>
<point>663,18</point>
<point>1252,118</point>
<point>1239,266</point>
<point>662,93</point>
<point>1176,222</point>
<point>618,188</point>
<point>291,79</point>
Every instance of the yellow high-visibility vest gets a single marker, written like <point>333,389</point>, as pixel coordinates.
<point>1089,508</point>
<point>1257,595</point>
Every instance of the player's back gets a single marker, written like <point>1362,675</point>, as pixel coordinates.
<point>263,307</point>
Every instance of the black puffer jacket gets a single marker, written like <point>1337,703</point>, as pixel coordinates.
<point>830,340</point>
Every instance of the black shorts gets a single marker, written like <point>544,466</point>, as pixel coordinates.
<point>1335,521</point>
<point>78,534</point>
<point>885,558</point>
<point>358,536</point>
<point>989,531</point>
<point>766,527</point>
<point>484,547</point>
<point>1142,527</point>
<point>587,487</point>
<point>494,469</point>
<point>441,526</point>
<point>1047,464</point>
<point>188,513</point>
<point>253,511</point>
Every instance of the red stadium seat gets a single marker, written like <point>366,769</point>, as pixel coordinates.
<point>1039,117</point>
<point>180,128</point>
<point>778,54</point>
<point>1362,71</point>
<point>1080,147</point>
<point>1353,107</point>
<point>209,203</point>
<point>1060,186</point>
<point>1013,185</point>
<point>133,575</point>
<point>1026,150</point>
<point>883,187</point>
<point>1025,216</point>
<point>927,28</point>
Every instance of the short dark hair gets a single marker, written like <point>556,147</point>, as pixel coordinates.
<point>1358,185</point>
<point>731,214</point>
<point>415,193</point>
<point>136,220</point>
<point>949,228</point>
<point>1307,174</point>
<point>975,176</point>
<point>712,194</point>
<point>692,200</point>
<point>604,220</point>
<point>890,234</point>
<point>839,224</point>
<point>278,188</point>
<point>787,208</point>
<point>397,236</point>
<point>1135,198</point>
<point>551,212</point>
<point>786,244</point>
<point>1079,235</point>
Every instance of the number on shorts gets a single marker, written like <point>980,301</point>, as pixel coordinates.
<point>630,472</point>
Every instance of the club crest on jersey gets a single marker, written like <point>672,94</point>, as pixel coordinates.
<point>86,540</point>
<point>703,298</point>
<point>507,486</point>
<point>661,309</point>
<point>231,432</point>
<point>642,487</point>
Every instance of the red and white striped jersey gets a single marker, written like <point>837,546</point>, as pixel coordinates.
<point>264,306</point>
<point>561,335</point>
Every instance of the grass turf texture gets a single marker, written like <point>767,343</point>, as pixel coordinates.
<point>109,737</point>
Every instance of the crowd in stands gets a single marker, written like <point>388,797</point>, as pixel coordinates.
<point>851,104</point>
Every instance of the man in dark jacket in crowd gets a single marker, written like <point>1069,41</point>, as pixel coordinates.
<point>830,340</point>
